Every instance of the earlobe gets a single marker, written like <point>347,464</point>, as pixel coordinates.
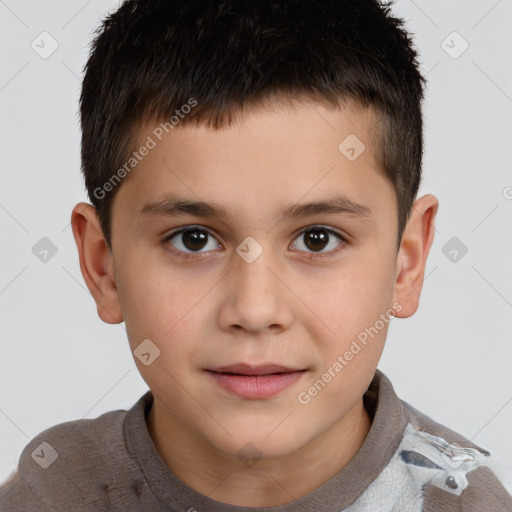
<point>417,239</point>
<point>96,262</point>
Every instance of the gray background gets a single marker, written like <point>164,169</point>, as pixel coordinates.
<point>451,360</point>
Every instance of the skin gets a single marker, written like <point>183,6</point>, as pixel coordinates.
<point>293,305</point>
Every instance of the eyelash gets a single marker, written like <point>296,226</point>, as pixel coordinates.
<point>192,255</point>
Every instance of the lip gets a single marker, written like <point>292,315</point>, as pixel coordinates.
<point>255,382</point>
<point>247,369</point>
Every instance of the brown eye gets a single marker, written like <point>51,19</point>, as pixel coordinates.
<point>193,239</point>
<point>317,238</point>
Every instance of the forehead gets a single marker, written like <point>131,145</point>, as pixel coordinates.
<point>269,157</point>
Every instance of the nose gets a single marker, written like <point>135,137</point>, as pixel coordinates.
<point>256,299</point>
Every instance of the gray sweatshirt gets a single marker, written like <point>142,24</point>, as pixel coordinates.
<point>407,463</point>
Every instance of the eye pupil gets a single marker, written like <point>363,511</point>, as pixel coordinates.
<point>316,239</point>
<point>194,239</point>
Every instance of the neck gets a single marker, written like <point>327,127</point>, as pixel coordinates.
<point>270,481</point>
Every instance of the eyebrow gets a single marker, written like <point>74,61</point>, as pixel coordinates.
<point>174,206</point>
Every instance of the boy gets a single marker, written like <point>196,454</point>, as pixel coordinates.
<point>253,169</point>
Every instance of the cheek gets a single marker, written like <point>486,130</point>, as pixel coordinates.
<point>356,305</point>
<point>151,290</point>
<point>353,298</point>
<point>152,300</point>
<point>166,305</point>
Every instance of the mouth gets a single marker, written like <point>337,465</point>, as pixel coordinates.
<point>255,382</point>
<point>246,369</point>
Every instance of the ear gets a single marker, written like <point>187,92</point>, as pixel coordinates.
<point>96,262</point>
<point>412,255</point>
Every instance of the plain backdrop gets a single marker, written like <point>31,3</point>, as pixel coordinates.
<point>451,360</point>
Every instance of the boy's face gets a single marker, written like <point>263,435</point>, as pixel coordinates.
<point>259,290</point>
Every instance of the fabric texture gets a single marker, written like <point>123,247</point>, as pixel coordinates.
<point>407,463</point>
